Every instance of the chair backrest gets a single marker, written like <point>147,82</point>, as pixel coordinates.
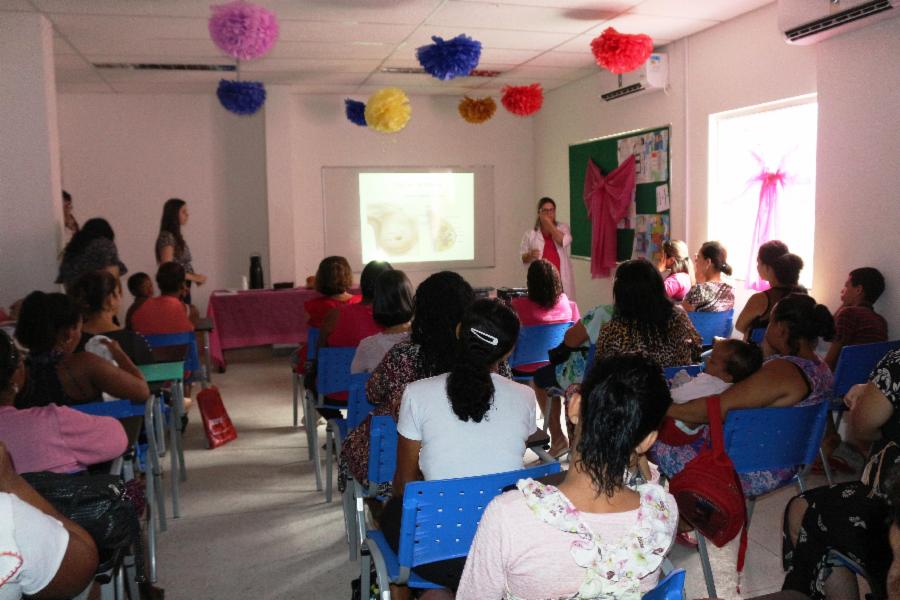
<point>357,404</point>
<point>312,342</point>
<point>712,324</point>
<point>333,370</point>
<point>669,588</point>
<point>757,335</point>
<point>535,341</point>
<point>186,338</point>
<point>692,370</point>
<point>440,517</point>
<point>382,449</point>
<point>759,439</point>
<point>856,362</point>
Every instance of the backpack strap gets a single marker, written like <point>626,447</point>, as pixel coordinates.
<point>714,414</point>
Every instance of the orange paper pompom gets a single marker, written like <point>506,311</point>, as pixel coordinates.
<point>621,52</point>
<point>523,100</point>
<point>477,111</point>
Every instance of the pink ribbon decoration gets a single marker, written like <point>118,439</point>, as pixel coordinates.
<point>767,217</point>
<point>607,200</point>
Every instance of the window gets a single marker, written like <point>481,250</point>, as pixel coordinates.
<point>763,167</point>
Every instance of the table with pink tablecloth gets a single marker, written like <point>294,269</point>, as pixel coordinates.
<point>255,318</point>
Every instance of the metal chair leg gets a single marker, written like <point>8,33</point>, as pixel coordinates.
<point>707,568</point>
<point>296,385</point>
<point>329,440</point>
<point>825,467</point>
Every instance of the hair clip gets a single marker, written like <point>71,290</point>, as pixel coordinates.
<point>484,337</point>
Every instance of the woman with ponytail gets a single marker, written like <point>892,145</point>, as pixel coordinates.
<point>470,421</point>
<point>781,269</point>
<point>792,375</point>
<point>710,293</point>
<point>677,269</point>
<point>605,529</point>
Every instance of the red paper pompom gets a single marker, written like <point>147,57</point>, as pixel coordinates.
<point>621,52</point>
<point>523,100</point>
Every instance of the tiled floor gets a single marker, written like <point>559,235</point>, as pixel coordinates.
<point>254,526</point>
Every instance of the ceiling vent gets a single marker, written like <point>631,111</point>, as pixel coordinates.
<point>808,21</point>
<point>165,67</point>
<point>421,71</point>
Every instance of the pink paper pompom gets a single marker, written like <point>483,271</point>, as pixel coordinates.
<point>621,52</point>
<point>243,30</point>
<point>523,100</point>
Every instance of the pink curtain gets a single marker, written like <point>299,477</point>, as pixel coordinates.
<point>607,200</point>
<point>767,218</point>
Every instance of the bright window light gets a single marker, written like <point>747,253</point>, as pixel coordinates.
<point>774,142</point>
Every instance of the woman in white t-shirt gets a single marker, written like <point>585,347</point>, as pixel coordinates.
<point>470,421</point>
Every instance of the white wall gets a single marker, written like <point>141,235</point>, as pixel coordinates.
<point>123,156</point>
<point>435,136</point>
<point>712,71</point>
<point>858,179</point>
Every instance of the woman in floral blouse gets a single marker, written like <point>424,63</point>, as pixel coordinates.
<point>710,294</point>
<point>439,305</point>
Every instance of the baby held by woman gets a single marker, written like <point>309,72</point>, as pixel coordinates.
<point>731,361</point>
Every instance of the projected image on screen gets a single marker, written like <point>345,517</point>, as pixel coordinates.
<point>417,217</point>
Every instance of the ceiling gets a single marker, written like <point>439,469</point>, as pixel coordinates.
<point>341,46</point>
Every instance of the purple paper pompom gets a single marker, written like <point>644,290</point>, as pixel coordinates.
<point>241,97</point>
<point>453,58</point>
<point>243,30</point>
<point>356,111</point>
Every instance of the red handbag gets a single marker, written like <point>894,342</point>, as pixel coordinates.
<point>216,423</point>
<point>708,490</point>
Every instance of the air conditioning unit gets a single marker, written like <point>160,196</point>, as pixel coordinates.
<point>809,21</point>
<point>651,77</point>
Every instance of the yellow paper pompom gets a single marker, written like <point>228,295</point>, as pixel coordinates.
<point>477,111</point>
<point>388,110</point>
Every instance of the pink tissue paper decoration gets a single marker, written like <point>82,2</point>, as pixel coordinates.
<point>243,30</point>
<point>621,52</point>
<point>767,216</point>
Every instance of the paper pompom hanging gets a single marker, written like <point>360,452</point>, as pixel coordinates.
<point>241,97</point>
<point>621,52</point>
<point>243,30</point>
<point>448,59</point>
<point>388,110</point>
<point>356,112</point>
<point>477,111</point>
<point>523,100</point>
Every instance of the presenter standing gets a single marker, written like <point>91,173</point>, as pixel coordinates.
<point>550,240</point>
<point>170,245</point>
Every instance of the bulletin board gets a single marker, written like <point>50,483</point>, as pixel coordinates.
<point>651,148</point>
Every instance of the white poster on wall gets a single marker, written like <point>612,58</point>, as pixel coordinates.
<point>651,155</point>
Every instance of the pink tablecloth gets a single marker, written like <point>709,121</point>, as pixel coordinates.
<point>256,318</point>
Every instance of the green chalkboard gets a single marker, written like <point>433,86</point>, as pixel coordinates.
<point>604,153</point>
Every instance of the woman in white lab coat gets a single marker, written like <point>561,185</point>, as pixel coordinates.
<point>550,240</point>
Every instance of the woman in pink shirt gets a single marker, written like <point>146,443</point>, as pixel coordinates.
<point>547,303</point>
<point>605,529</point>
<point>677,269</point>
<point>51,438</point>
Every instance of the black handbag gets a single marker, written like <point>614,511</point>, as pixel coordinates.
<point>101,504</point>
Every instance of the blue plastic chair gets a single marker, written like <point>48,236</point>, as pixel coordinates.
<point>669,588</point>
<point>712,324</point>
<point>332,379</point>
<point>191,357</point>
<point>692,370</point>
<point>855,364</point>
<point>336,429</point>
<point>757,335</point>
<point>312,346</point>
<point>438,522</point>
<point>312,342</point>
<point>532,346</point>
<point>762,439</point>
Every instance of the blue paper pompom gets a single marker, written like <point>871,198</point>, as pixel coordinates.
<point>453,58</point>
<point>241,97</point>
<point>356,111</point>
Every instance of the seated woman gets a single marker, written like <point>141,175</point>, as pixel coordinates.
<point>546,302</point>
<point>604,530</point>
<point>42,553</point>
<point>645,321</point>
<point>852,517</point>
<point>333,281</point>
<point>470,421</point>
<point>782,270</point>
<point>392,309</point>
<point>93,248</point>
<point>677,269</point>
<point>99,294</point>
<point>346,325</point>
<point>793,376</point>
<point>51,438</point>
<point>710,294</point>
<point>50,327</point>
<point>439,304</point>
